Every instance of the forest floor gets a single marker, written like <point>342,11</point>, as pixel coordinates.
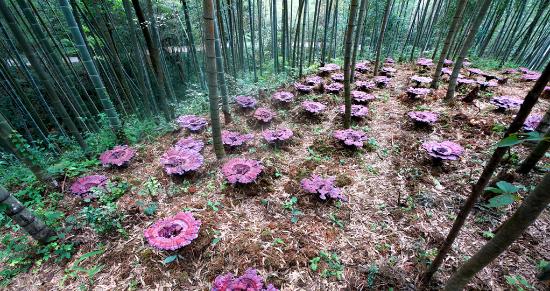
<point>400,206</point>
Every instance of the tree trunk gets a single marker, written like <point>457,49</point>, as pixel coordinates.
<point>91,69</point>
<point>543,6</point>
<point>465,47</point>
<point>511,230</point>
<point>528,104</point>
<point>413,20</point>
<point>34,226</point>
<point>221,75</point>
<point>274,36</point>
<point>260,33</point>
<point>154,57</point>
<point>25,71</point>
<point>51,92</point>
<point>63,78</point>
<point>347,62</point>
<point>358,33</point>
<point>301,56</point>
<point>141,69</point>
<point>21,153</point>
<point>325,32</point>
<point>212,80</point>
<point>297,33</point>
<point>381,37</point>
<point>447,44</point>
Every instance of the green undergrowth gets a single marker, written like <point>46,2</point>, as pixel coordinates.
<point>19,253</point>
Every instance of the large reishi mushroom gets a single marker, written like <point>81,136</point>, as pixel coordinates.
<point>173,232</point>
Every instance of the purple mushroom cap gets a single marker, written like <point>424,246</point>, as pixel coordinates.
<point>465,81</point>
<point>118,156</point>
<point>381,81</point>
<point>361,97</point>
<point>509,71</point>
<point>425,117</point>
<point>447,63</point>
<point>446,71</point>
<point>283,96</point>
<point>416,92</point>
<point>174,232</point>
<point>533,76</point>
<point>362,67</point>
<point>389,70</point>
<point>487,84</point>
<point>249,281</point>
<point>525,70</point>
<point>83,186</point>
<point>356,110</point>
<point>329,68</point>
<point>235,139</point>
<point>192,122</point>
<point>337,77</point>
<point>421,80</point>
<point>424,62</point>
<point>189,144</point>
<point>314,80</point>
<point>246,101</point>
<point>313,107</point>
<point>178,161</point>
<point>446,150</point>
<point>506,102</point>
<point>325,188</point>
<point>365,85</point>
<point>263,114</point>
<point>532,122</point>
<point>303,88</point>
<point>334,88</point>
<point>474,71</point>
<point>242,171</point>
<point>277,135</point>
<point>351,137</point>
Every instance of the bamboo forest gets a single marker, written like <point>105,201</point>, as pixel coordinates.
<point>264,145</point>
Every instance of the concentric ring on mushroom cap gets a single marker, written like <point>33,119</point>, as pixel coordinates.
<point>180,161</point>
<point>239,170</point>
<point>174,232</point>
<point>83,185</point>
<point>118,156</point>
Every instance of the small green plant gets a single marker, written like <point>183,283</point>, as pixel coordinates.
<point>76,270</point>
<point>278,241</point>
<point>215,206</point>
<point>294,212</point>
<point>518,282</point>
<point>103,219</point>
<point>329,263</point>
<point>507,194</point>
<point>151,187</point>
<point>217,237</point>
<point>499,128</point>
<point>373,271</point>
<point>150,209</point>
<point>336,221</point>
<point>113,192</point>
<point>488,234</point>
<point>316,157</point>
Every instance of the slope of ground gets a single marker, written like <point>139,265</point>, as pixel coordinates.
<point>400,205</point>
